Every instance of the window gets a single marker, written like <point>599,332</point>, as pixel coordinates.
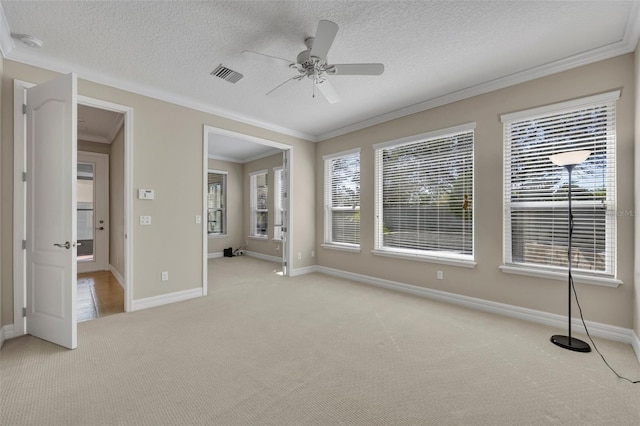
<point>536,203</point>
<point>342,198</point>
<point>216,203</point>
<point>278,202</point>
<point>259,209</point>
<point>424,196</point>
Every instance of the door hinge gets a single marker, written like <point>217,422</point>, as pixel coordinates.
<point>283,229</point>
<point>24,176</point>
<point>24,312</point>
<point>24,244</point>
<point>24,108</point>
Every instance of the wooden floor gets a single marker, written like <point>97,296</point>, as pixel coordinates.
<point>99,295</point>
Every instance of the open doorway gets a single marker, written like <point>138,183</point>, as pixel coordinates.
<point>21,226</point>
<point>247,211</point>
<point>100,168</point>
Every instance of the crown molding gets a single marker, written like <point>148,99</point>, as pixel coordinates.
<point>626,45</point>
<point>148,91</point>
<point>245,160</point>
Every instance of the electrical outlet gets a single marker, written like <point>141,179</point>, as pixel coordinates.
<point>198,219</point>
<point>440,275</point>
<point>299,256</point>
<point>164,276</point>
<point>313,253</point>
<point>145,220</point>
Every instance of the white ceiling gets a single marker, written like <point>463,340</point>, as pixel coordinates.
<point>434,51</point>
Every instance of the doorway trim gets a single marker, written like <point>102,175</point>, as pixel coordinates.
<point>19,199</point>
<point>209,132</point>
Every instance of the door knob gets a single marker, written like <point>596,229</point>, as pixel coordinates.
<point>101,228</point>
<point>66,245</point>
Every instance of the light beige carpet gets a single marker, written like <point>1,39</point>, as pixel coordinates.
<point>262,349</point>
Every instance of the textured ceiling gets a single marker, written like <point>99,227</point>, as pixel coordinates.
<point>433,51</point>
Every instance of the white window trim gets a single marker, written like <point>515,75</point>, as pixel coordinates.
<point>355,248</point>
<point>221,234</point>
<point>449,131</point>
<point>558,108</point>
<point>277,206</point>
<point>561,275</point>
<point>328,212</point>
<point>407,254</point>
<point>550,272</point>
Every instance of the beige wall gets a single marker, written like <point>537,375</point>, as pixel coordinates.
<point>602,304</point>
<point>235,236</point>
<point>636,323</point>
<point>167,157</point>
<point>267,246</point>
<point>88,146</point>
<point>2,196</point>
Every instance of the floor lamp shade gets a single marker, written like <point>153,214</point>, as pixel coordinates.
<point>569,160</point>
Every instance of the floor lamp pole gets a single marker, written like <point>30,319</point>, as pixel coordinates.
<point>569,160</point>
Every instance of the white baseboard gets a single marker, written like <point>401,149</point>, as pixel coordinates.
<point>165,299</point>
<point>263,256</point>
<point>606,331</point>
<point>635,343</point>
<point>215,255</point>
<point>303,271</point>
<point>6,333</point>
<point>117,276</point>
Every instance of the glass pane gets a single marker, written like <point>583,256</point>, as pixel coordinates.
<point>85,217</point>
<point>261,223</point>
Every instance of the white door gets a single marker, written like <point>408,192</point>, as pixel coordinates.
<point>51,218</point>
<point>93,211</point>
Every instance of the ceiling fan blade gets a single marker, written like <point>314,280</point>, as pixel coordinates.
<point>356,69</point>
<point>328,91</point>
<point>325,34</point>
<point>295,77</point>
<point>270,58</point>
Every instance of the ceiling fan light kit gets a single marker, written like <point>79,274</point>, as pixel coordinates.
<point>312,63</point>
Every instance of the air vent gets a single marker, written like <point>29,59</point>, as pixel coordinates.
<point>226,74</point>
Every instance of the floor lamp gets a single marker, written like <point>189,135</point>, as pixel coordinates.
<point>569,160</point>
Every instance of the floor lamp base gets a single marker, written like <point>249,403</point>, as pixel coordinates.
<point>570,343</point>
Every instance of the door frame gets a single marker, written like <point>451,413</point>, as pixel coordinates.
<point>101,185</point>
<point>19,199</point>
<point>209,132</point>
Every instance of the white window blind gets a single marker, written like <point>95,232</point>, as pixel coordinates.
<point>342,198</point>
<point>536,191</point>
<point>259,204</point>
<point>278,205</point>
<point>216,202</point>
<point>424,195</point>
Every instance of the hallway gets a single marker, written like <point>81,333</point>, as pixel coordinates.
<point>99,295</point>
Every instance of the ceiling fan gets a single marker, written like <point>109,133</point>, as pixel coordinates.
<point>312,62</point>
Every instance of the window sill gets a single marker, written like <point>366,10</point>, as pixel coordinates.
<point>258,237</point>
<point>214,236</point>
<point>425,258</point>
<point>561,276</point>
<point>341,247</point>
